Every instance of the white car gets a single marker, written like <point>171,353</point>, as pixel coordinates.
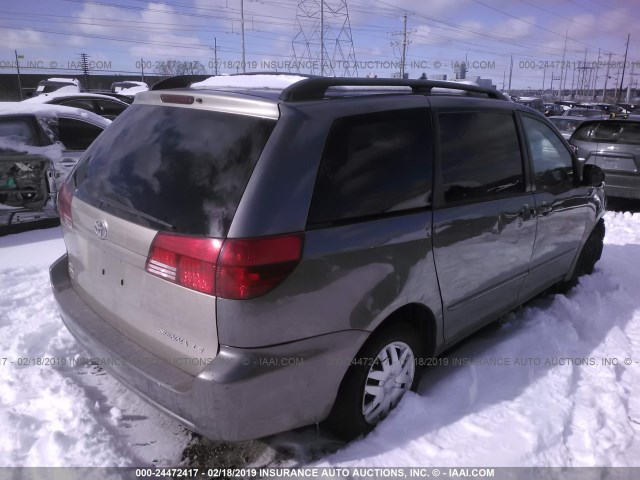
<point>39,145</point>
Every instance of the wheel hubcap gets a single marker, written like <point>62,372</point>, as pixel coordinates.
<point>389,377</point>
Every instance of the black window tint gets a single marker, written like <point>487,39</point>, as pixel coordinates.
<point>609,131</point>
<point>18,130</point>
<point>109,109</point>
<point>173,168</point>
<point>374,164</point>
<point>480,156</point>
<point>84,104</point>
<point>552,162</point>
<point>76,134</point>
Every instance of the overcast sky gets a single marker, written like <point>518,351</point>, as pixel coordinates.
<point>120,34</point>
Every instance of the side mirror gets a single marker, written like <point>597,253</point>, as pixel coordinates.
<point>574,149</point>
<point>592,175</point>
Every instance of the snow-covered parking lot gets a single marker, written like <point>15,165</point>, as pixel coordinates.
<point>556,383</point>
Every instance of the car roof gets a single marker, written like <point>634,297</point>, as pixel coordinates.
<point>47,97</point>
<point>47,110</point>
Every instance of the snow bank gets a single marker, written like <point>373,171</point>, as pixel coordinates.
<point>250,81</point>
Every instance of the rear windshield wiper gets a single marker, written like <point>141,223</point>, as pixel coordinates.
<point>137,213</point>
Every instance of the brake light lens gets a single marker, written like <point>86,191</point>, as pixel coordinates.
<point>187,261</point>
<point>249,268</point>
<point>235,269</point>
<point>64,205</point>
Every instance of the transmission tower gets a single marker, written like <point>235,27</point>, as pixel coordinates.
<point>323,44</point>
<point>84,65</point>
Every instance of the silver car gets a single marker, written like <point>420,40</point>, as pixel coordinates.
<point>252,259</point>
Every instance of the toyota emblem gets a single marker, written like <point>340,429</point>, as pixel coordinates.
<point>100,228</point>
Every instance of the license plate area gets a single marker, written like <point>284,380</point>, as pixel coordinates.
<point>606,162</point>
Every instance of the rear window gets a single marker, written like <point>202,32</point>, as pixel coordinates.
<point>565,125</point>
<point>609,131</point>
<point>173,168</point>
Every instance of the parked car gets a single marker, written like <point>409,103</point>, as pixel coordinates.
<point>39,145</point>
<point>67,85</point>
<point>585,113</point>
<point>614,146</point>
<point>257,253</point>
<point>103,105</point>
<point>532,102</point>
<point>566,125</point>
<point>553,110</point>
<point>129,88</point>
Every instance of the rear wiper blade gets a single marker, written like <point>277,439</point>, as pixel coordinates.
<point>133,211</point>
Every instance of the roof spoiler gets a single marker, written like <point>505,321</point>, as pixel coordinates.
<point>179,81</point>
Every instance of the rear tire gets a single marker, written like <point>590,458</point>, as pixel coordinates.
<point>382,372</point>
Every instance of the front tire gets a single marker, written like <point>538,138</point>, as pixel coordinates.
<point>382,372</point>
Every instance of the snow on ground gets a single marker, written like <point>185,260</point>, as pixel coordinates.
<point>559,407</point>
<point>64,415</point>
<point>554,404</point>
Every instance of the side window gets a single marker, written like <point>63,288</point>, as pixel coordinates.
<point>552,162</point>
<point>480,156</point>
<point>83,104</point>
<point>77,135</point>
<point>109,109</point>
<point>18,130</point>
<point>374,164</point>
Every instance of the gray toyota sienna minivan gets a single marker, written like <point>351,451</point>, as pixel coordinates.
<point>252,260</point>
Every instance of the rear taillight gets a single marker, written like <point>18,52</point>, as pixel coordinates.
<point>187,261</point>
<point>234,268</point>
<point>65,195</point>
<point>248,268</point>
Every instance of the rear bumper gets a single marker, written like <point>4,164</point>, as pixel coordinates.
<point>242,394</point>
<point>622,185</point>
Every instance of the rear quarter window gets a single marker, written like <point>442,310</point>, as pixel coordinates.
<point>374,164</point>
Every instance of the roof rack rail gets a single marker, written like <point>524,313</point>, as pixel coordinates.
<point>315,88</point>
<point>178,81</point>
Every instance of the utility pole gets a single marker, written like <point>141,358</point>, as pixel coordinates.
<point>583,74</point>
<point>244,66</point>
<point>510,74</point>
<point>18,67</point>
<point>624,65</point>
<point>544,74</point>
<point>404,44</point>
<point>215,56</point>
<point>322,38</point>
<point>504,74</point>
<point>563,71</point>
<point>142,68</point>
<point>595,80</point>
<point>606,78</point>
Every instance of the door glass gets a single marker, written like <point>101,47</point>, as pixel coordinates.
<point>75,134</point>
<point>552,161</point>
<point>479,162</point>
